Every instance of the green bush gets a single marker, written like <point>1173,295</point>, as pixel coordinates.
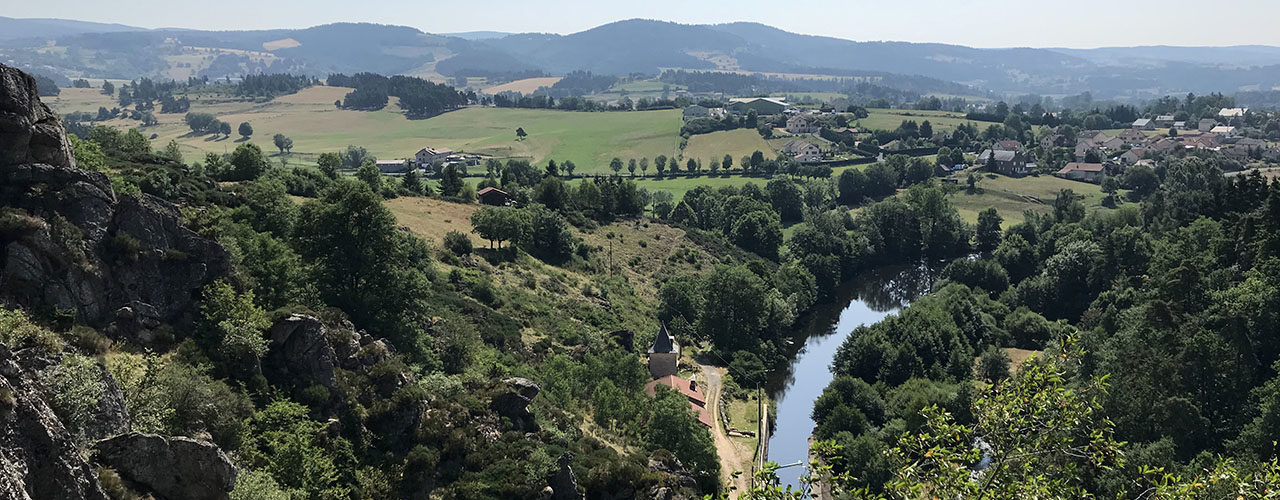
<point>17,331</point>
<point>74,388</point>
<point>16,223</point>
<point>457,243</point>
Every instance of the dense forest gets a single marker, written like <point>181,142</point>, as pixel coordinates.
<point>419,98</point>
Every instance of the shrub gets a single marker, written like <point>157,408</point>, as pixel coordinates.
<point>74,388</point>
<point>124,248</point>
<point>16,223</point>
<point>457,243</point>
<point>17,331</point>
<point>88,340</point>
<point>993,365</point>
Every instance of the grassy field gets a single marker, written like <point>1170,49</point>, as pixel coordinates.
<point>315,125</point>
<point>431,218</point>
<point>1012,196</point>
<point>889,119</point>
<point>739,143</point>
<point>526,86</point>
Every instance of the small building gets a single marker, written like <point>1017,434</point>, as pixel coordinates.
<point>664,355</point>
<point>494,197</point>
<point>427,156</point>
<point>1165,145</point>
<point>1112,144</point>
<point>1144,124</point>
<point>1223,131</point>
<point>1133,137</point>
<point>1132,156</point>
<point>1206,124</point>
<point>1053,141</point>
<point>1180,125</point>
<point>690,390</point>
<point>1088,172</point>
<point>802,124</point>
<point>762,105</point>
<point>392,166</point>
<point>1164,121</point>
<point>697,111</point>
<point>1229,113</point>
<point>1007,145</point>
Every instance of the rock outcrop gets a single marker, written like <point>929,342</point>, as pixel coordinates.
<point>564,486</point>
<point>38,457</point>
<point>76,245</point>
<point>175,468</point>
<point>303,351</point>
<point>514,402</point>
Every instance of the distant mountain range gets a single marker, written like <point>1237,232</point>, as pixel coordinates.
<point>632,46</point>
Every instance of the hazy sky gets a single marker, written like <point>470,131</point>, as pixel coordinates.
<point>980,23</point>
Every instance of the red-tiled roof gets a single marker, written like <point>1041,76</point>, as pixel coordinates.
<point>1083,167</point>
<point>696,400</point>
<point>491,189</point>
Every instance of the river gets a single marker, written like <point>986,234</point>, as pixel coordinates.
<point>864,301</point>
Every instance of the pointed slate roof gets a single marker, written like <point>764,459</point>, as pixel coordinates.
<point>663,342</point>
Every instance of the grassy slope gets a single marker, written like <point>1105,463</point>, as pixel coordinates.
<point>1012,196</point>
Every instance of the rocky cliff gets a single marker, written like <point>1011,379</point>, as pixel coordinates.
<point>124,264</point>
<point>69,242</point>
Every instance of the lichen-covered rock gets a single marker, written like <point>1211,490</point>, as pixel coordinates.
<point>38,457</point>
<point>90,251</point>
<point>175,468</point>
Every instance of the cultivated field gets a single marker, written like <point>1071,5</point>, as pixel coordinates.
<point>1012,196</point>
<point>739,143</point>
<point>889,119</point>
<point>526,86</point>
<point>315,125</point>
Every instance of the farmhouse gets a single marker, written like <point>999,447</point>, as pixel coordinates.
<point>1011,163</point>
<point>690,390</point>
<point>762,105</point>
<point>1088,172</point>
<point>427,156</point>
<point>1164,121</point>
<point>695,111</point>
<point>494,196</point>
<point>1132,137</point>
<point>1008,145</point>
<point>1112,144</point>
<point>1144,124</point>
<point>802,124</point>
<point>1132,156</point>
<point>393,166</point>
<point>803,152</point>
<point>1053,141</point>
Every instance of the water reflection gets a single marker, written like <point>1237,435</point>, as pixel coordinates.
<point>864,301</point>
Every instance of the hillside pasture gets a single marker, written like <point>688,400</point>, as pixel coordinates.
<point>1012,196</point>
<point>525,86</point>
<point>738,142</point>
<point>315,125</point>
<point>890,119</point>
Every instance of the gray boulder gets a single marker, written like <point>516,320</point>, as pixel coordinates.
<point>175,468</point>
<point>513,403</point>
<point>300,352</point>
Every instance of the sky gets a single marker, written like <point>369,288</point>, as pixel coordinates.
<point>977,23</point>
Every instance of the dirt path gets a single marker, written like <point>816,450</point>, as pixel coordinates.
<point>731,456</point>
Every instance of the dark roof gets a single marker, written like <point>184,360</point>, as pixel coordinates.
<point>488,190</point>
<point>662,342</point>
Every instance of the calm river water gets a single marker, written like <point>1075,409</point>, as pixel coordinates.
<point>865,301</point>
